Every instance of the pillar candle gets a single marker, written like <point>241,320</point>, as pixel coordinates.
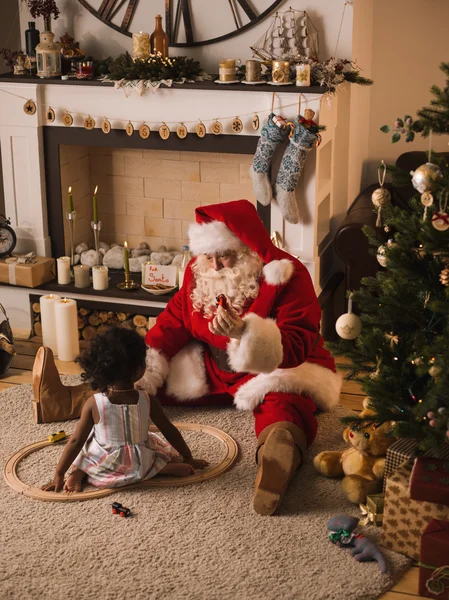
<point>141,46</point>
<point>63,270</point>
<point>66,319</point>
<point>70,208</point>
<point>82,273</point>
<point>126,257</point>
<point>303,75</point>
<point>100,277</point>
<point>95,207</point>
<point>47,304</point>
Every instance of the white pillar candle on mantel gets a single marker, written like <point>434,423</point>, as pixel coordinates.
<point>82,276</point>
<point>66,319</point>
<point>63,270</point>
<point>48,322</point>
<point>100,277</point>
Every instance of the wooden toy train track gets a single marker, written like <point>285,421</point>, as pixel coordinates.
<point>12,479</point>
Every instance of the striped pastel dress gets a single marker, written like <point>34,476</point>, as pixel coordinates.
<point>120,450</point>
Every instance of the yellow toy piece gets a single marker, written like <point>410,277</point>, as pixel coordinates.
<point>55,437</point>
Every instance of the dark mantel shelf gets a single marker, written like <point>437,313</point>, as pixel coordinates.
<point>200,85</point>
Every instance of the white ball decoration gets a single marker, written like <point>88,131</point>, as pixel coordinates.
<point>381,256</point>
<point>348,326</point>
<point>381,197</point>
<point>425,177</point>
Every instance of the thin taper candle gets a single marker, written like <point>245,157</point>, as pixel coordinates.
<point>126,257</point>
<point>95,207</point>
<point>70,202</point>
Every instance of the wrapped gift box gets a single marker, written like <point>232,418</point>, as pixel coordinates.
<point>28,274</point>
<point>373,509</point>
<point>434,561</point>
<point>430,480</point>
<point>404,519</point>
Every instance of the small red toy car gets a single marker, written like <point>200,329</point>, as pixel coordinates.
<point>222,301</point>
<point>119,509</point>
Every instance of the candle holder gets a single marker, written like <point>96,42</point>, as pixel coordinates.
<point>128,284</point>
<point>71,218</point>
<point>96,229</point>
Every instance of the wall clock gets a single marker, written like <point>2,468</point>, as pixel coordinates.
<point>187,22</point>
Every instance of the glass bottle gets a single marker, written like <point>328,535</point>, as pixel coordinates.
<point>31,39</point>
<point>159,39</point>
<point>186,258</point>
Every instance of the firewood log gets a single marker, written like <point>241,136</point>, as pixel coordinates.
<point>88,332</point>
<point>139,321</point>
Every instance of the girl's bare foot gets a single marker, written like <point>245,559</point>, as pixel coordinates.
<point>177,469</point>
<point>75,481</point>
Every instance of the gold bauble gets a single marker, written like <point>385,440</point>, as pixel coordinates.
<point>425,178</point>
<point>380,197</point>
<point>434,371</point>
<point>444,277</point>
<point>381,257</point>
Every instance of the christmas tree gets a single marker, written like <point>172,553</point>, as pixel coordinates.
<point>401,355</point>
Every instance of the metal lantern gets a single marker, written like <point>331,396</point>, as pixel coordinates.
<point>48,56</point>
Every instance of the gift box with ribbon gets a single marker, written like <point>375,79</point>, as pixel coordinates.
<point>430,480</point>
<point>27,271</point>
<point>373,510</point>
<point>434,561</point>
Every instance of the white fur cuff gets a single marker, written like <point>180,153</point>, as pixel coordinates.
<point>260,348</point>
<point>156,373</point>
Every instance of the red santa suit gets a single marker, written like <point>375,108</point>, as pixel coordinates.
<point>280,369</point>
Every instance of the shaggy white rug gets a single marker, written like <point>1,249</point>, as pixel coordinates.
<point>195,542</point>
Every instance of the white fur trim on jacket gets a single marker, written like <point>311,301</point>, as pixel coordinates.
<point>156,373</point>
<point>187,376</point>
<point>212,237</point>
<point>259,350</point>
<point>322,384</point>
<point>278,272</point>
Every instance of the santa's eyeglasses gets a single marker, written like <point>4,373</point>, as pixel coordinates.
<point>221,255</point>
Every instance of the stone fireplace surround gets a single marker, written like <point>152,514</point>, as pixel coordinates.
<point>32,151</point>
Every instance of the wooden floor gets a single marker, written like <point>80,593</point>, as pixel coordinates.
<point>351,397</point>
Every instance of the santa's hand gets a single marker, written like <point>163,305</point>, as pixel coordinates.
<point>227,323</point>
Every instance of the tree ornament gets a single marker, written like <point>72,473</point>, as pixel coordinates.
<point>426,201</point>
<point>348,325</point>
<point>381,197</point>
<point>129,129</point>
<point>50,115</point>
<point>381,256</point>
<point>144,131</point>
<point>217,128</point>
<point>29,108</point>
<point>164,131</point>
<point>67,119</point>
<point>393,339</point>
<point>444,277</point>
<point>106,127</point>
<point>434,371</point>
<point>387,229</point>
<point>237,125</point>
<point>89,123</point>
<point>255,122</point>
<point>440,219</point>
<point>201,130</point>
<point>426,177</point>
<point>181,131</point>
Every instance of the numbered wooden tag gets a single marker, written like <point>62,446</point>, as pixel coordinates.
<point>89,123</point>
<point>50,115</point>
<point>164,131</point>
<point>237,125</point>
<point>129,129</point>
<point>106,126</point>
<point>144,131</point>
<point>255,122</point>
<point>182,131</point>
<point>217,128</point>
<point>29,107</point>
<point>200,130</point>
<point>67,119</point>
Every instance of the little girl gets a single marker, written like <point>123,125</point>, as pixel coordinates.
<point>112,446</point>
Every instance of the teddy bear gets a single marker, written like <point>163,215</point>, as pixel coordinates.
<point>363,464</point>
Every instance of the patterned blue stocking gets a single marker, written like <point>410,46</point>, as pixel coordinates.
<point>300,144</point>
<point>271,137</point>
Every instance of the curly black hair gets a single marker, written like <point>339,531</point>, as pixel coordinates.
<point>112,356</point>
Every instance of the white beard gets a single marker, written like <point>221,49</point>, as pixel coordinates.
<point>238,284</point>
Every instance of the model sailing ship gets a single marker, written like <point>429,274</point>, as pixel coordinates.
<point>291,36</point>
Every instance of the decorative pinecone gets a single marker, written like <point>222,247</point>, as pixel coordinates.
<point>444,277</point>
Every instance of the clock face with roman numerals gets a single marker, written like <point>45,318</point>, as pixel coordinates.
<point>187,22</point>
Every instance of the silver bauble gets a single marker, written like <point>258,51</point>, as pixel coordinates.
<point>425,177</point>
<point>348,326</point>
<point>380,197</point>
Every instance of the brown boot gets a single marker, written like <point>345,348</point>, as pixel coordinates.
<point>279,454</point>
<point>54,401</point>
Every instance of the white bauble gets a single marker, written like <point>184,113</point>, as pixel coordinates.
<point>380,197</point>
<point>348,326</point>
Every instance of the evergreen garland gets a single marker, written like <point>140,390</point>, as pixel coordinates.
<point>155,68</point>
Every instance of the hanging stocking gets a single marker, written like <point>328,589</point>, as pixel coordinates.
<point>273,134</point>
<point>303,138</point>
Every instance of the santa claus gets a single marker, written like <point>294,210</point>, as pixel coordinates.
<point>261,350</point>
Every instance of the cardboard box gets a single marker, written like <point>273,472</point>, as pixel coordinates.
<point>430,480</point>
<point>434,559</point>
<point>28,275</point>
<point>405,519</point>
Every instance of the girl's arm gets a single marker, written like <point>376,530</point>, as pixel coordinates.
<point>73,446</point>
<point>172,434</point>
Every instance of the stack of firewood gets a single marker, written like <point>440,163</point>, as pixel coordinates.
<point>93,322</point>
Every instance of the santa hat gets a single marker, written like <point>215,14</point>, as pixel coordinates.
<point>234,225</point>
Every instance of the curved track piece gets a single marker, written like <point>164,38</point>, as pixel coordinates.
<point>12,479</point>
